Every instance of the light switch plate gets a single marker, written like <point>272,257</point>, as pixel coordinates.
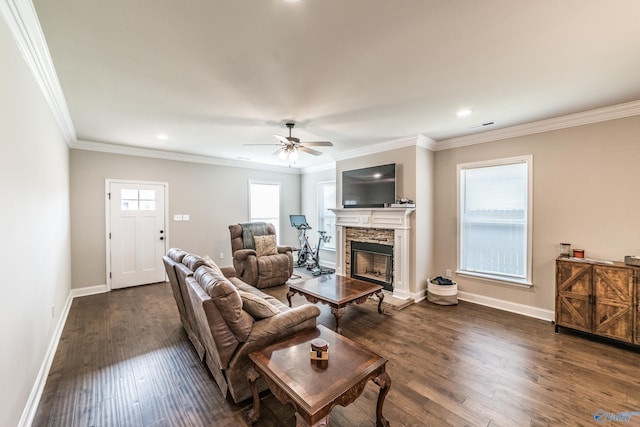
<point>177,217</point>
<point>186,217</point>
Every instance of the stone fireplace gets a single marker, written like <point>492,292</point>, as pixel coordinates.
<point>387,229</point>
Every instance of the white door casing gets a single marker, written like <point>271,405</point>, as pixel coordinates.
<point>136,233</point>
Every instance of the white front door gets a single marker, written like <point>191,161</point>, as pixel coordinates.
<point>137,233</point>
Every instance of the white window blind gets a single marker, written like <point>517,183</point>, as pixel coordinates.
<point>494,221</point>
<point>264,203</point>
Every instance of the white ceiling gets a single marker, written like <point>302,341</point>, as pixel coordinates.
<point>214,75</point>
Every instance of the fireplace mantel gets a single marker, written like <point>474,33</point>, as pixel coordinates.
<point>392,218</point>
<point>397,219</point>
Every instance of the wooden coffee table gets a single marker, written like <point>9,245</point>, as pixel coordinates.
<point>336,291</point>
<point>313,391</point>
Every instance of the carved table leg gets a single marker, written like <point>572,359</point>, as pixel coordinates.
<point>254,414</point>
<point>337,313</point>
<point>380,296</point>
<point>289,295</point>
<point>384,382</point>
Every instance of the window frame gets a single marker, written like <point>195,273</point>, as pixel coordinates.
<point>277,184</point>
<point>320,207</point>
<point>503,279</point>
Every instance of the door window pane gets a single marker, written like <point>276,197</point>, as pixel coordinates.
<point>147,194</point>
<point>147,205</point>
<point>129,205</point>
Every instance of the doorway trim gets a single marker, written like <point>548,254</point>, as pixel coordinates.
<point>107,216</point>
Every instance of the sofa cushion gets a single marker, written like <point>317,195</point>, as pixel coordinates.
<point>227,300</point>
<point>242,286</point>
<point>176,254</point>
<point>266,245</point>
<point>193,262</point>
<point>257,307</point>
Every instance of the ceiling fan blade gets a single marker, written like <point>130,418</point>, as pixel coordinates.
<point>278,144</point>
<point>283,139</point>
<point>280,150</point>
<point>310,151</point>
<point>318,143</point>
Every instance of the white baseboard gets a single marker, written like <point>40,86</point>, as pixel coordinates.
<point>419,296</point>
<point>31,407</point>
<point>525,310</point>
<point>89,290</point>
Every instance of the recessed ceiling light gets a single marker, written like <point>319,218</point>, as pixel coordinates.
<point>464,112</point>
<point>162,136</point>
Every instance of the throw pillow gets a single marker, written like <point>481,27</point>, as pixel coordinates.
<point>266,245</point>
<point>257,307</point>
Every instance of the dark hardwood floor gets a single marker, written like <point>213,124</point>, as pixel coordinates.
<point>124,360</point>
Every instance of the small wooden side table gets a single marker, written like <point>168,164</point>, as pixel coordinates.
<point>313,391</point>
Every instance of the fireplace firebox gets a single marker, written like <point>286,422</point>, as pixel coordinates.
<point>372,262</point>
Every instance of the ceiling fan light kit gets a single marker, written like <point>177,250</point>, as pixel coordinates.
<point>291,146</point>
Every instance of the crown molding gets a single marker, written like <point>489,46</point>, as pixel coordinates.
<point>24,26</point>
<point>426,142</point>
<point>181,157</point>
<point>613,112</point>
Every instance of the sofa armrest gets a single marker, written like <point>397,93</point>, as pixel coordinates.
<point>243,254</point>
<point>276,327</point>
<point>284,249</point>
<point>228,271</point>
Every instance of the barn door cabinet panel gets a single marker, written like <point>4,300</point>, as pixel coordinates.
<point>601,299</point>
<point>613,308</point>
<point>573,295</point>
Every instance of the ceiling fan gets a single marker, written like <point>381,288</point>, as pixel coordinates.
<point>289,146</point>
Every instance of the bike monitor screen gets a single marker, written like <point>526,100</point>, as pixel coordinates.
<point>299,221</point>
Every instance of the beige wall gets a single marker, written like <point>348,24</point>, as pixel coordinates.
<point>214,197</point>
<point>34,225</point>
<point>584,193</point>
<point>414,173</point>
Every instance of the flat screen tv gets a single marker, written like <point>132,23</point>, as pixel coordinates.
<point>373,187</point>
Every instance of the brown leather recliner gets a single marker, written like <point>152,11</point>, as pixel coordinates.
<point>260,271</point>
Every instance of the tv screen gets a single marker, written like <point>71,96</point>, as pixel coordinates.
<point>373,187</point>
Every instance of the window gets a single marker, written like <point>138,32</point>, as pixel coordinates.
<point>326,218</point>
<point>494,219</point>
<point>134,199</point>
<point>264,203</point>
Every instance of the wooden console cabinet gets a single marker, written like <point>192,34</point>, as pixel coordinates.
<point>602,299</point>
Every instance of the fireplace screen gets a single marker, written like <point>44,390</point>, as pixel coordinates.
<point>372,262</point>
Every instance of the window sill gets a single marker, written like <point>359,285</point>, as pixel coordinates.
<point>495,279</point>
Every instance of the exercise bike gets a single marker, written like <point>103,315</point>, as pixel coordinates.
<point>307,255</point>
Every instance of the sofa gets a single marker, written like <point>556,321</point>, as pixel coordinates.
<point>230,318</point>
<point>259,265</point>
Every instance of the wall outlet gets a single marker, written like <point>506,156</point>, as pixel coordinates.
<point>221,256</point>
<point>447,272</point>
